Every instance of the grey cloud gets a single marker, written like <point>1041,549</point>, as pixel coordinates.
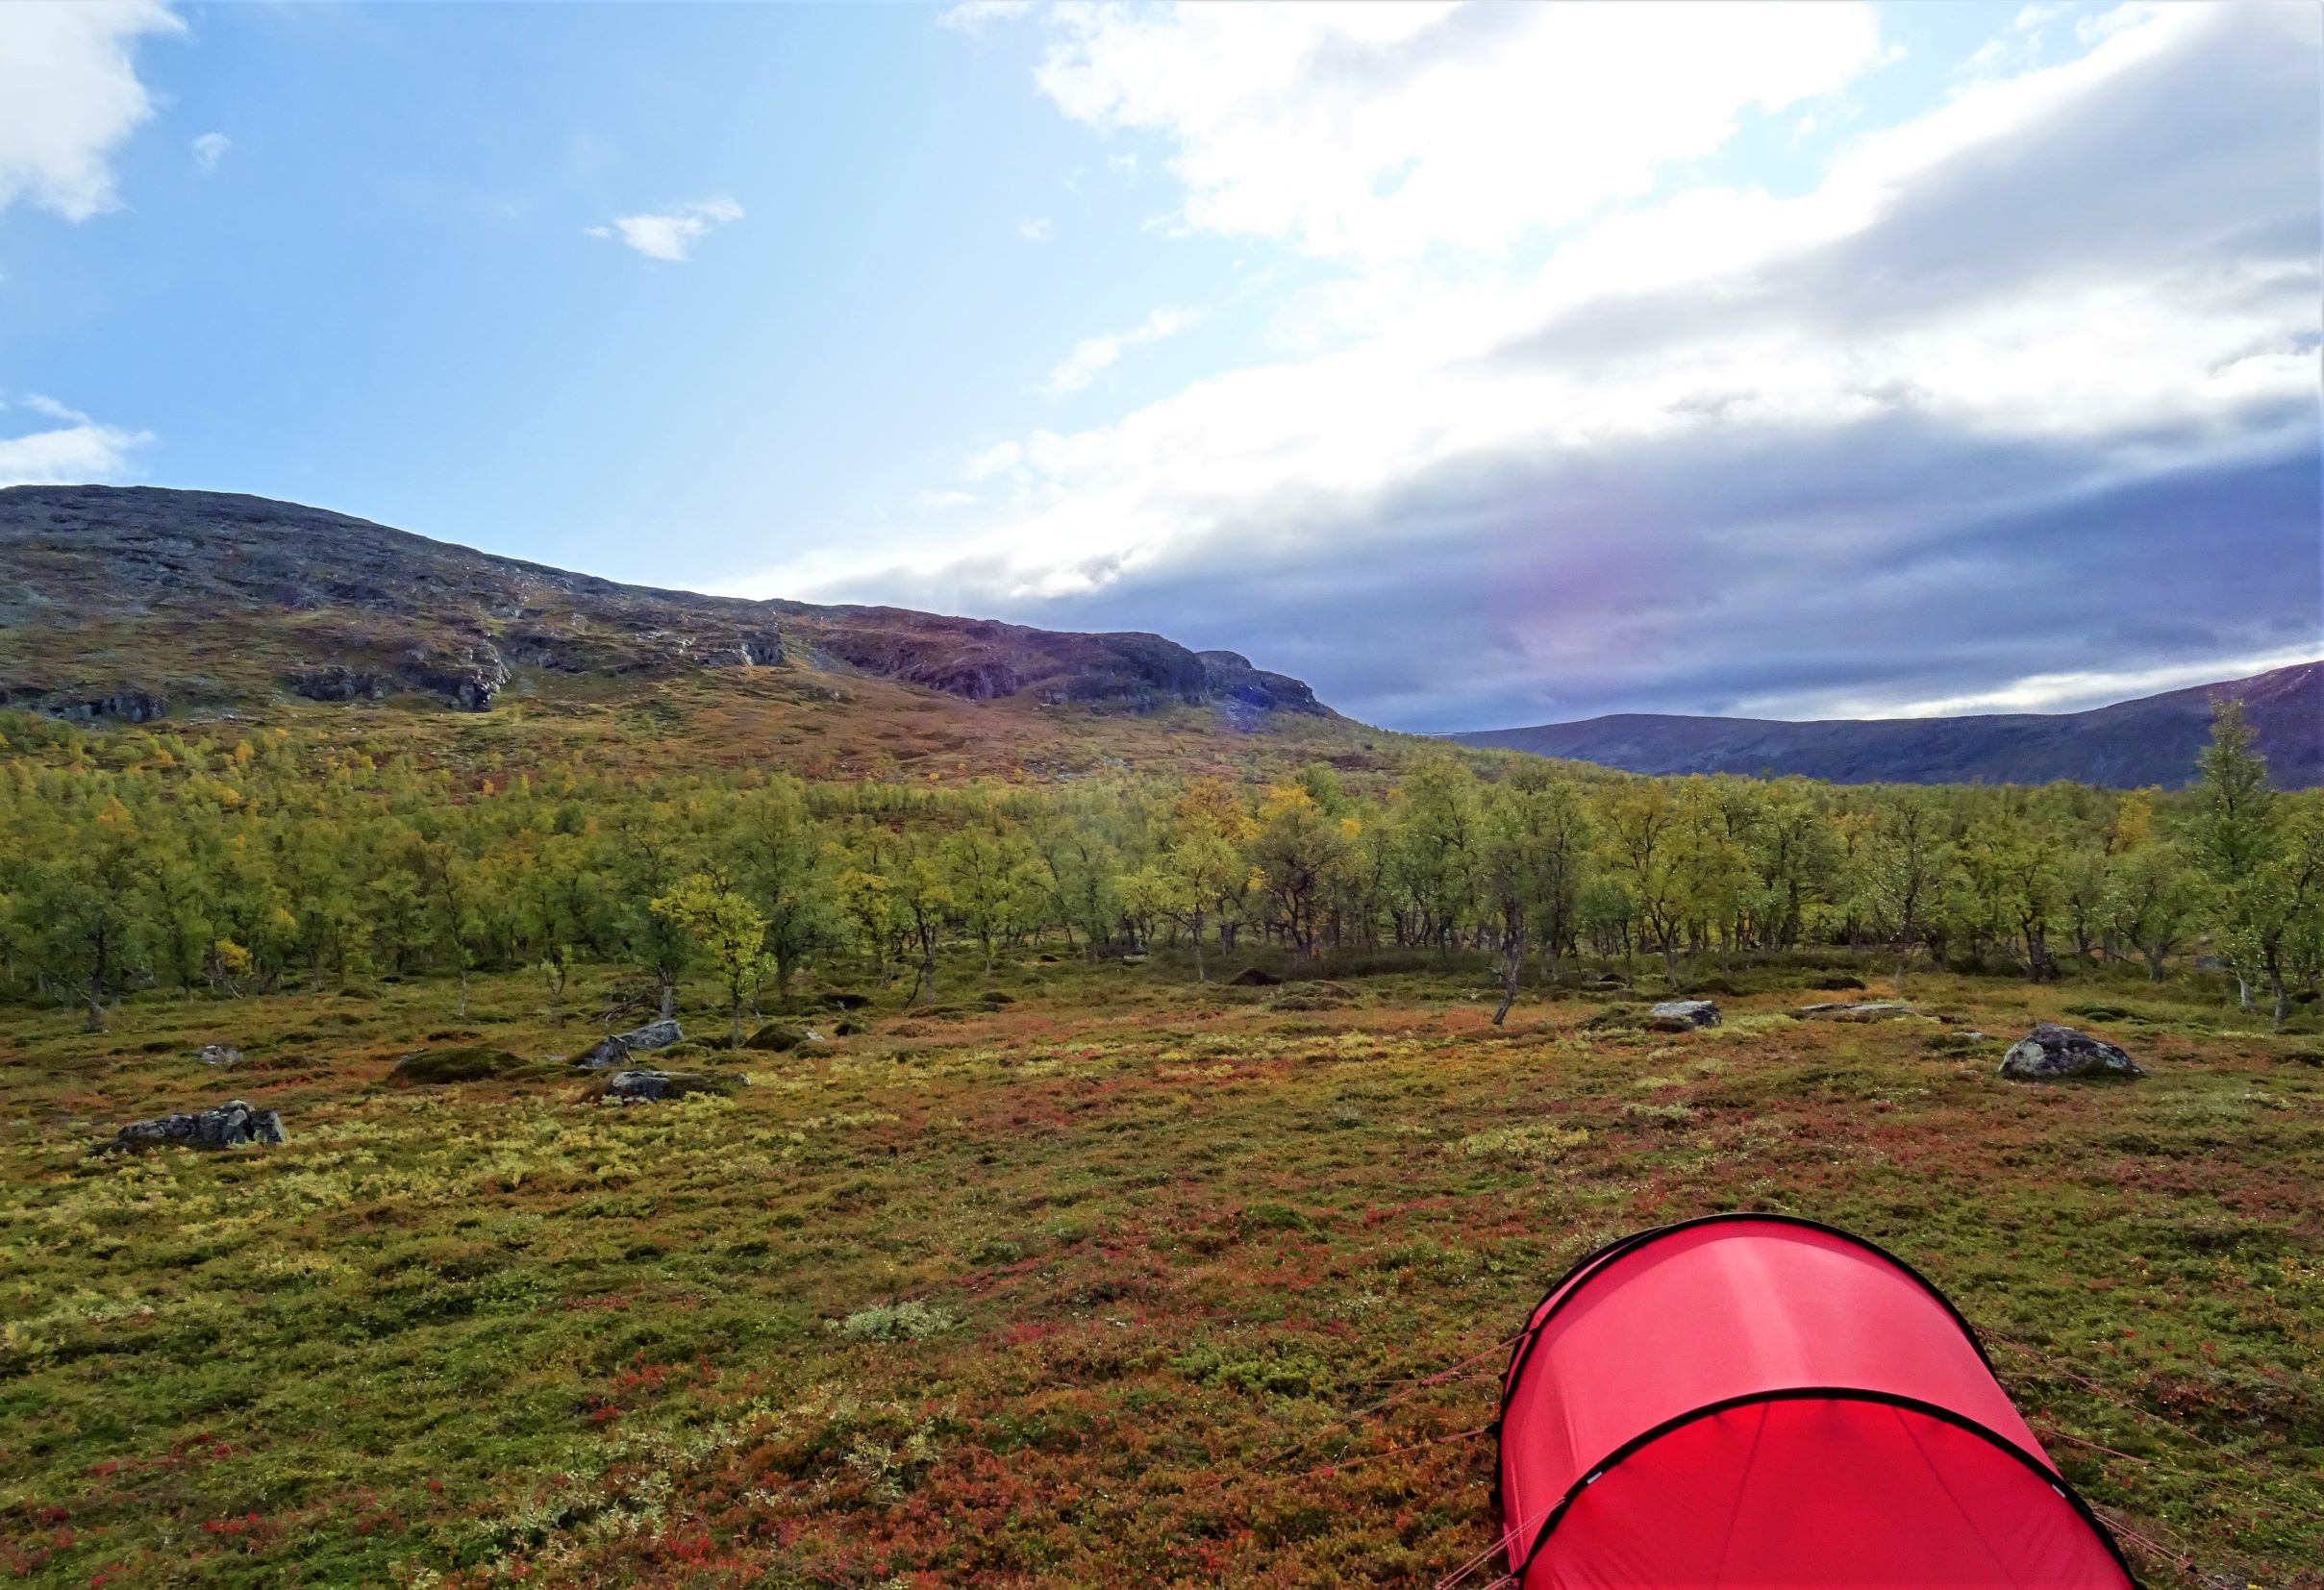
<point>1787,571</point>
<point>2193,160</point>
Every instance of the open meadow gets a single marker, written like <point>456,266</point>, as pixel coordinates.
<point>1097,1275</point>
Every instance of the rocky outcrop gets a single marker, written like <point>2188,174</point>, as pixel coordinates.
<point>1682,1015</point>
<point>467,677</point>
<point>2051,1053</point>
<point>337,682</point>
<point>113,707</point>
<point>469,680</point>
<point>218,1053</point>
<point>642,1086</point>
<point>1228,675</point>
<point>616,1050</point>
<point>229,1124</point>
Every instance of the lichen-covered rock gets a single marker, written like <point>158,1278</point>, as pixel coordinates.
<point>219,1054</point>
<point>642,1085</point>
<point>780,1038</point>
<point>1847,1010</point>
<point>471,1063</point>
<point>615,1051</point>
<point>1680,1015</point>
<point>229,1126</point>
<point>2050,1053</point>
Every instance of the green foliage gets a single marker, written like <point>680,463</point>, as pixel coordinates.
<point>221,869</point>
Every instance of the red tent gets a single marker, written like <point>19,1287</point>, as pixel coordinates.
<point>1760,1401</point>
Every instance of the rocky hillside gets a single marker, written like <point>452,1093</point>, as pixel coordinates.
<point>2128,745</point>
<point>132,603</point>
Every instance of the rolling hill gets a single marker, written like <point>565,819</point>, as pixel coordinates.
<point>138,604</point>
<point>2152,740</point>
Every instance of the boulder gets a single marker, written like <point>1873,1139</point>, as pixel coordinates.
<point>2051,1052</point>
<point>1254,977</point>
<point>641,1086</point>
<point>780,1038</point>
<point>219,1054</point>
<point>615,1052</point>
<point>1680,1015</point>
<point>229,1126</point>
<point>471,1063</point>
<point>844,998</point>
<point>1845,1010</point>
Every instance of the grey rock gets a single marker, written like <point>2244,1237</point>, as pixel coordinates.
<point>2050,1053</point>
<point>219,1054</point>
<point>229,1126</point>
<point>615,1051</point>
<point>781,1038</point>
<point>1845,1010</point>
<point>643,1085</point>
<point>1686,1013</point>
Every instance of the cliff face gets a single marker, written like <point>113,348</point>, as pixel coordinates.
<point>2132,743</point>
<point>116,601</point>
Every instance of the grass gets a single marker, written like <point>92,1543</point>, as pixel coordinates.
<point>1084,1287</point>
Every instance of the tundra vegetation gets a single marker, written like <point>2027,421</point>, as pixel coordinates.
<point>1104,1150</point>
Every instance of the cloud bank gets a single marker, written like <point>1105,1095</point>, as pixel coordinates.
<point>2021,387</point>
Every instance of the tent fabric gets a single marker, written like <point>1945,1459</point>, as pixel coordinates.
<point>1761,1401</point>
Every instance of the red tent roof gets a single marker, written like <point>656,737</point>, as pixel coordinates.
<point>1761,1401</point>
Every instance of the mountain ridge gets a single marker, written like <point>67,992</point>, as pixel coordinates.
<point>265,598</point>
<point>2126,744</point>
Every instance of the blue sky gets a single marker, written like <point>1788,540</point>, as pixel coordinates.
<point>1480,364</point>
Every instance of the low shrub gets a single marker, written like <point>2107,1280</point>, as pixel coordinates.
<point>896,1322</point>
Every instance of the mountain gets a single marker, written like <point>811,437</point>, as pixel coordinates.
<point>2152,740</point>
<point>135,603</point>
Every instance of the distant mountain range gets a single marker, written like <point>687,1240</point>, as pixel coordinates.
<point>136,602</point>
<point>2131,744</point>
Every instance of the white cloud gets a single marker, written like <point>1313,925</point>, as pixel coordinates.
<point>672,234</point>
<point>1093,355</point>
<point>77,451</point>
<point>971,15</point>
<point>945,499</point>
<point>211,148</point>
<point>2075,692</point>
<point>69,96</point>
<point>1376,131</point>
<point>998,458</point>
<point>2037,292</point>
<point>1034,230</point>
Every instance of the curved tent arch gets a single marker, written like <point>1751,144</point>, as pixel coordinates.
<point>1772,1400</point>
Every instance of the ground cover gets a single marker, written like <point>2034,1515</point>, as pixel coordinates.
<point>1091,1284</point>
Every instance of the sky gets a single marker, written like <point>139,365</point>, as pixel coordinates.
<point>1481,364</point>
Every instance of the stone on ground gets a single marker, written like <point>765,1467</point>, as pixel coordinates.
<point>616,1050</point>
<point>229,1126</point>
<point>1680,1015</point>
<point>644,1085</point>
<point>2050,1053</point>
